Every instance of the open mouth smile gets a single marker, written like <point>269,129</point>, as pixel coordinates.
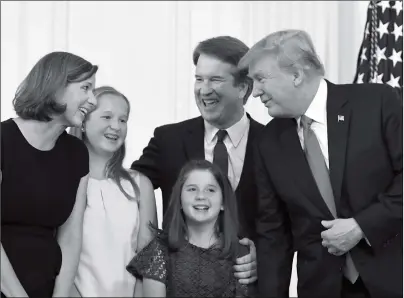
<point>83,111</point>
<point>111,136</point>
<point>209,102</point>
<point>201,207</point>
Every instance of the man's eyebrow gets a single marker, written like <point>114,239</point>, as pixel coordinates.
<point>211,77</point>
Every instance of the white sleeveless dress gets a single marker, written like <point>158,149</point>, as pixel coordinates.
<point>110,230</point>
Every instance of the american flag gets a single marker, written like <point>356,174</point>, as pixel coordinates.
<point>380,58</point>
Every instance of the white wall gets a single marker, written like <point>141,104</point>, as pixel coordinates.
<point>352,20</point>
<point>144,49</point>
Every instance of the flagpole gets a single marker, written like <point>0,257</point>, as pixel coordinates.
<point>373,45</point>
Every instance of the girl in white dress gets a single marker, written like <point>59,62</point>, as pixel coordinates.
<point>120,203</point>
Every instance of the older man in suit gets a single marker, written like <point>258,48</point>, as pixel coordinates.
<point>223,134</point>
<point>329,172</point>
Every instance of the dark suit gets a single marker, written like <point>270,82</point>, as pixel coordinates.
<point>175,144</point>
<point>365,157</point>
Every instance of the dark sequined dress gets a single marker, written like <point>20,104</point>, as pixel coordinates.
<point>191,271</point>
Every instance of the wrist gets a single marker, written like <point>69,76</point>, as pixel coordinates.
<point>358,230</point>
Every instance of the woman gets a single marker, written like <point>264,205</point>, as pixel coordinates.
<point>120,204</point>
<point>194,254</point>
<point>45,173</point>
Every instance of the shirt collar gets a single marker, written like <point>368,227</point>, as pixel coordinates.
<point>235,132</point>
<point>317,109</point>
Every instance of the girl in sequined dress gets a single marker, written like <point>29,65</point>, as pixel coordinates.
<point>194,254</point>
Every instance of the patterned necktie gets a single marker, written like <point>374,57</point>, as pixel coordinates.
<point>320,173</point>
<point>220,155</point>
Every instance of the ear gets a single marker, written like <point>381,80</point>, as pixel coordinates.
<point>243,89</point>
<point>298,76</point>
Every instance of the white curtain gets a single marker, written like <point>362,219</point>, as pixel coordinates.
<point>144,49</point>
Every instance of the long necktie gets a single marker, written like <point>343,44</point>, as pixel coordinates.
<point>220,155</point>
<point>320,173</point>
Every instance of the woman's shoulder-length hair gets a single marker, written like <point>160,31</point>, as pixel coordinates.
<point>35,98</point>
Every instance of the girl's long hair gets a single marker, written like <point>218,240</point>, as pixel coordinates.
<point>114,168</point>
<point>174,225</point>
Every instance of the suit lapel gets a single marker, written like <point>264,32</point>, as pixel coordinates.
<point>300,169</point>
<point>248,158</point>
<point>194,139</point>
<point>338,119</point>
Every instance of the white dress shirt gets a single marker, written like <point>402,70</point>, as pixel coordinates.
<point>318,112</point>
<point>236,144</point>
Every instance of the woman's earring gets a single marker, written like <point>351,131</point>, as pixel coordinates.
<point>221,208</point>
<point>82,128</point>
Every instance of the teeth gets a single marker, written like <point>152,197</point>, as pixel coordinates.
<point>201,207</point>
<point>210,102</point>
<point>109,136</point>
<point>84,111</point>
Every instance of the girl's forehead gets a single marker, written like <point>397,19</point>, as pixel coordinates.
<point>111,98</point>
<point>199,175</point>
<point>112,102</point>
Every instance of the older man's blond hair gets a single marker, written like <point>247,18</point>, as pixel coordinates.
<point>291,48</point>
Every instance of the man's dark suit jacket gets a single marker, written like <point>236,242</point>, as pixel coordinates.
<point>173,145</point>
<point>366,173</point>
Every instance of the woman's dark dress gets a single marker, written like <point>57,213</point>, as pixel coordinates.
<point>38,192</point>
<point>191,271</point>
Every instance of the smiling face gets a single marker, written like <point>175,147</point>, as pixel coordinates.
<point>201,198</point>
<point>219,100</point>
<point>276,88</point>
<point>106,126</point>
<point>79,100</point>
